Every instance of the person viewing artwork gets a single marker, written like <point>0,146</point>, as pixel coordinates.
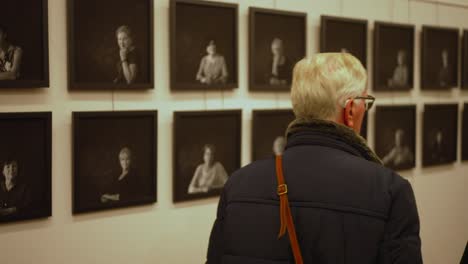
<point>400,74</point>
<point>14,196</point>
<point>400,153</point>
<point>10,57</point>
<point>128,63</point>
<point>281,69</point>
<point>213,69</point>
<point>209,175</point>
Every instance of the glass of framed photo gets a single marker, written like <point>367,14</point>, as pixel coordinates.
<point>110,44</point>
<point>207,149</point>
<point>393,57</point>
<point>204,41</point>
<point>24,44</point>
<point>25,162</point>
<point>277,40</point>
<point>114,159</point>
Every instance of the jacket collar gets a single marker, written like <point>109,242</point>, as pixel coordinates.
<point>326,133</point>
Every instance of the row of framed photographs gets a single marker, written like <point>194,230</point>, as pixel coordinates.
<point>114,50</point>
<point>115,153</point>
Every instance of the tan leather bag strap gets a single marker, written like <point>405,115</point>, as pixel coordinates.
<point>285,212</point>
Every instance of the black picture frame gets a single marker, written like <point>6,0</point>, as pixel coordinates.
<point>396,123</point>
<point>31,17</point>
<point>440,130</point>
<point>96,34</point>
<point>26,139</point>
<point>465,132</point>
<point>352,32</point>
<point>268,126</point>
<point>436,40</point>
<point>266,26</point>
<point>193,132</point>
<point>464,74</point>
<point>188,38</point>
<point>398,40</point>
<point>99,141</point>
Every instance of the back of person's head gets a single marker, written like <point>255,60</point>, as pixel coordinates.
<point>322,83</point>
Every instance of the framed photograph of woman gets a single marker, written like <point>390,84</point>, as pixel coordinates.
<point>338,34</point>
<point>439,58</point>
<point>269,132</point>
<point>110,44</point>
<point>114,159</point>
<point>395,136</point>
<point>464,72</point>
<point>207,149</point>
<point>24,44</point>
<point>465,132</point>
<point>203,50</point>
<point>440,129</point>
<point>277,40</point>
<point>393,57</point>
<point>25,166</point>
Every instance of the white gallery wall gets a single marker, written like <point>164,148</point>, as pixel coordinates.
<point>178,233</point>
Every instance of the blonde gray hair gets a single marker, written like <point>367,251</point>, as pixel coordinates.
<point>322,83</point>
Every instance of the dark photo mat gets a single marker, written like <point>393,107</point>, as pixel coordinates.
<point>98,139</point>
<point>93,53</point>
<point>27,139</point>
<point>464,74</point>
<point>444,118</point>
<point>266,25</point>
<point>267,125</point>
<point>31,17</point>
<point>193,24</point>
<point>390,119</point>
<point>192,131</point>
<point>338,32</point>
<point>389,40</point>
<point>433,41</point>
<point>465,132</point>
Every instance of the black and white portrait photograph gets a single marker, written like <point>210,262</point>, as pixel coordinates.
<point>395,136</point>
<point>269,132</point>
<point>348,35</point>
<point>277,40</point>
<point>114,159</point>
<point>25,166</point>
<point>203,38</point>
<point>464,71</point>
<point>465,132</point>
<point>24,48</point>
<point>207,149</point>
<point>440,127</point>
<point>393,57</point>
<point>439,58</point>
<point>110,44</point>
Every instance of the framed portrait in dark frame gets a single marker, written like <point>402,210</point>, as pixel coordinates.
<point>114,159</point>
<point>338,34</point>
<point>277,40</point>
<point>464,71</point>
<point>207,150</point>
<point>269,132</point>
<point>440,129</point>
<point>439,58</point>
<point>465,132</point>
<point>393,57</point>
<point>395,136</point>
<point>24,35</point>
<point>25,161</point>
<point>110,44</point>
<point>203,55</point>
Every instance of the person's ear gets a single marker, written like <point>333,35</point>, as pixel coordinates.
<point>348,117</point>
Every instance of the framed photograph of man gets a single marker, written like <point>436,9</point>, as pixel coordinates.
<point>439,58</point>
<point>440,127</point>
<point>393,57</point>
<point>25,166</point>
<point>395,136</point>
<point>465,132</point>
<point>203,50</point>
<point>114,159</point>
<point>24,44</point>
<point>277,40</point>
<point>464,72</point>
<point>338,34</point>
<point>207,149</point>
<point>269,132</point>
<point>110,44</point>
